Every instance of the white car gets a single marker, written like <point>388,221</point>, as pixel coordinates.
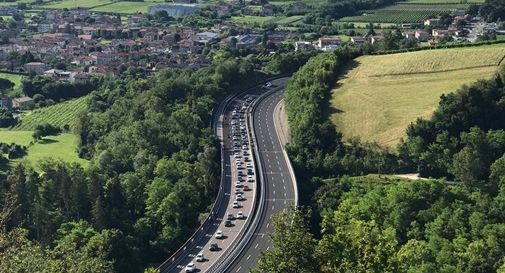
<point>219,234</point>
<point>239,197</point>
<point>190,268</point>
<point>236,205</point>
<point>250,178</point>
<point>237,155</point>
<point>200,257</point>
<point>240,215</point>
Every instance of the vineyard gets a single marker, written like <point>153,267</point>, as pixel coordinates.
<point>403,13</point>
<point>60,114</point>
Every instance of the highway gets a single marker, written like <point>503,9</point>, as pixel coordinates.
<point>206,236</point>
<point>280,190</point>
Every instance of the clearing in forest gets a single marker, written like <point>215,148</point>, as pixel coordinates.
<point>379,96</point>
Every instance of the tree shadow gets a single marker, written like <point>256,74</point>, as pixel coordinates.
<point>328,108</point>
<point>47,141</point>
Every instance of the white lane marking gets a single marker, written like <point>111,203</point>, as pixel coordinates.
<point>248,257</point>
<point>256,245</point>
<point>273,207</point>
<point>274,192</point>
<point>273,185</point>
<point>268,224</point>
<point>238,269</point>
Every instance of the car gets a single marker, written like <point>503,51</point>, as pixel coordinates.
<point>246,153</point>
<point>249,165</point>
<point>250,172</point>
<point>230,216</point>
<point>239,172</point>
<point>190,268</point>
<point>228,223</point>
<point>238,184</point>
<point>246,159</point>
<point>269,84</point>
<point>237,155</point>
<point>236,204</point>
<point>236,149</point>
<point>250,178</point>
<point>238,161</point>
<point>239,197</point>
<point>219,234</point>
<point>240,215</point>
<point>239,165</point>
<point>237,191</point>
<point>246,188</point>
<point>200,257</point>
<point>244,147</point>
<point>213,247</point>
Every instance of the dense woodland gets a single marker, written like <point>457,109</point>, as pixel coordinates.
<point>381,223</point>
<point>153,174</point>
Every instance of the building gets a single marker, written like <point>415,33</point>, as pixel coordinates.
<point>174,10</point>
<point>328,43</point>
<point>248,40</point>
<point>22,103</point>
<point>432,22</point>
<point>5,101</point>
<point>375,38</point>
<point>303,46</point>
<point>357,40</point>
<point>422,36</point>
<point>35,67</point>
<point>205,38</point>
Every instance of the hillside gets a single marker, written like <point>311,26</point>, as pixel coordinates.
<point>380,95</point>
<point>60,114</point>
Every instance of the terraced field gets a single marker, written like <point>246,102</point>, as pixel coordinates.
<point>380,95</point>
<point>404,13</point>
<point>59,115</point>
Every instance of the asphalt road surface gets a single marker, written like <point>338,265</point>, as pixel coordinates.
<point>278,182</point>
<point>246,205</point>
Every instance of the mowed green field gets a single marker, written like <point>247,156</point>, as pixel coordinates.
<point>380,96</point>
<point>61,147</point>
<point>16,79</point>
<point>60,114</point>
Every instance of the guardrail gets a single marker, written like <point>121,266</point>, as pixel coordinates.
<point>178,255</point>
<point>240,244</point>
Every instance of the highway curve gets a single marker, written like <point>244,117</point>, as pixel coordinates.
<point>280,191</point>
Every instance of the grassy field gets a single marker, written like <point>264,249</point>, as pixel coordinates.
<point>75,3</point>
<point>404,13</point>
<point>61,147</point>
<point>59,114</point>
<point>16,79</point>
<point>380,95</point>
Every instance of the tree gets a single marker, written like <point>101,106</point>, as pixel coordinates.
<point>6,118</point>
<point>292,245</point>
<point>5,84</point>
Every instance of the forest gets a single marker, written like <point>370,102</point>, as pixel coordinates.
<point>154,168</point>
<point>352,219</point>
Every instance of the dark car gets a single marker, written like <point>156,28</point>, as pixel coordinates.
<point>213,247</point>
<point>228,223</point>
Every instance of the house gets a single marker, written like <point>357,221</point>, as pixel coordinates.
<point>22,103</point>
<point>375,38</point>
<point>303,46</point>
<point>432,22</point>
<point>441,32</point>
<point>35,67</point>
<point>248,40</point>
<point>328,43</point>
<point>358,40</point>
<point>422,36</point>
<point>5,101</point>
<point>409,35</point>
<point>58,74</point>
<point>205,38</point>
